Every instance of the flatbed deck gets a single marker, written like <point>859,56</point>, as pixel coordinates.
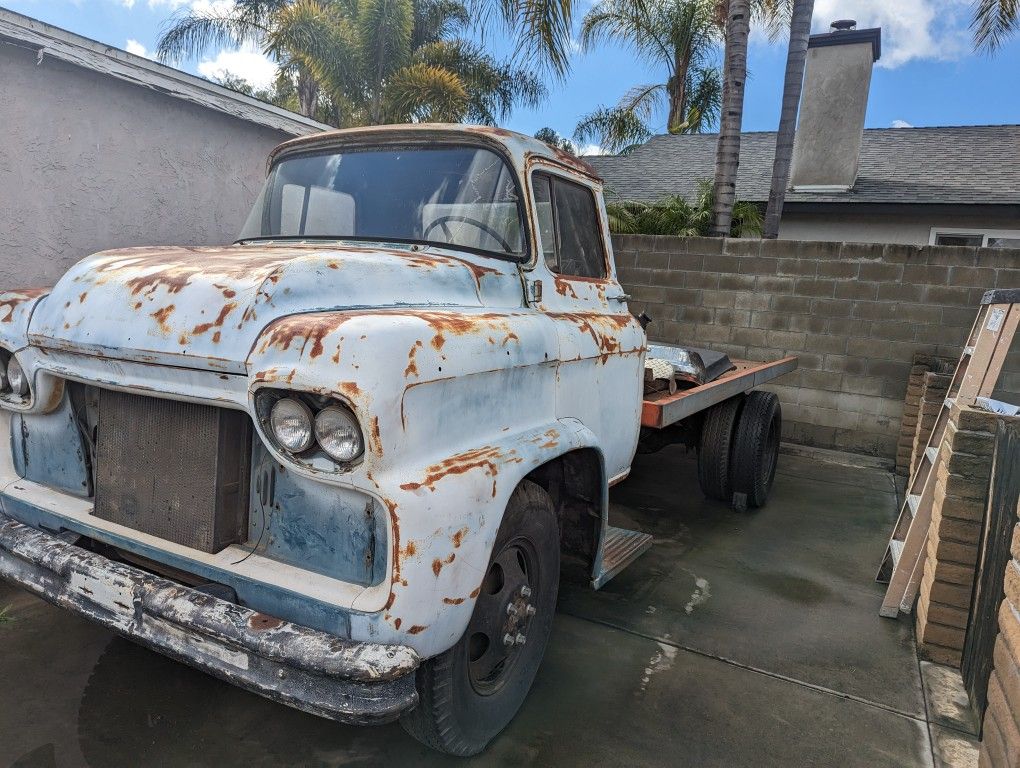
<point>663,409</point>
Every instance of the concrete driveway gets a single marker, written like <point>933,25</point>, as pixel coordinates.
<point>738,640</point>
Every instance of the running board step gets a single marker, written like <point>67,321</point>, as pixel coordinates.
<point>620,548</point>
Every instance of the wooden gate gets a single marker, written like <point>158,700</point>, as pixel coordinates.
<point>993,556</point>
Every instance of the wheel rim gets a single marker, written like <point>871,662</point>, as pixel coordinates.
<point>503,614</point>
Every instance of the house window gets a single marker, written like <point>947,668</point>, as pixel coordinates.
<point>989,238</point>
<point>944,238</point>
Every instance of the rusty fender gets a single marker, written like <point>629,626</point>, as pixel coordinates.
<point>16,310</point>
<point>457,407</point>
<point>324,675</point>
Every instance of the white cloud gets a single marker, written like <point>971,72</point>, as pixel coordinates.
<point>900,124</point>
<point>129,4</point>
<point>173,5</point>
<point>247,63</point>
<point>912,30</point>
<point>135,47</point>
<point>590,149</point>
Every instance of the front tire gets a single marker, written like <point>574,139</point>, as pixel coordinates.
<point>471,692</point>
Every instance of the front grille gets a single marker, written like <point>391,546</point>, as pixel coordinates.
<point>174,470</point>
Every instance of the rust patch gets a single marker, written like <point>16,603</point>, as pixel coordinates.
<point>458,537</point>
<point>261,622</point>
<point>162,315</point>
<point>349,388</point>
<point>453,600</point>
<point>563,287</point>
<point>411,549</point>
<point>416,629</point>
<point>229,307</point>
<point>475,592</point>
<point>396,623</point>
<point>376,440</point>
<point>82,296</point>
<point>412,362</point>
<point>311,329</point>
<point>480,458</point>
<point>13,299</point>
<point>437,566</point>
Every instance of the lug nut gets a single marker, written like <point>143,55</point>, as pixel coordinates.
<point>508,639</point>
<point>530,611</point>
<point>525,591</point>
<point>511,610</point>
<point>519,640</point>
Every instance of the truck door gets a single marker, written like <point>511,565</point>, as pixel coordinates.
<point>601,356</point>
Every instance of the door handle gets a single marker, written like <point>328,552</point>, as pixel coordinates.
<point>619,297</point>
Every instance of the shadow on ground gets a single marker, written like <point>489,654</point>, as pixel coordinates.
<point>739,639</point>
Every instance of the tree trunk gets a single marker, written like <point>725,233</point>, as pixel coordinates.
<point>308,92</point>
<point>727,152</point>
<point>800,31</point>
<point>678,93</point>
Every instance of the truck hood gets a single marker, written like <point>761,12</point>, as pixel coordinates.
<point>205,307</point>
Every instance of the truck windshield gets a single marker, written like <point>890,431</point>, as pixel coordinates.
<point>461,197</point>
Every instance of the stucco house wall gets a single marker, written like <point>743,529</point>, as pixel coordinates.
<point>90,161</point>
<point>907,225</point>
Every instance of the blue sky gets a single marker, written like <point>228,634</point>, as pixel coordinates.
<point>928,74</point>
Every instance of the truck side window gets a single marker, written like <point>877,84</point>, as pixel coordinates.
<point>569,227</point>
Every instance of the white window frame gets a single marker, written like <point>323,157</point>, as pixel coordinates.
<point>984,233</point>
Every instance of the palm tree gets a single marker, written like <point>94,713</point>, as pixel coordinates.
<point>800,32</point>
<point>678,35</point>
<point>358,62</point>
<point>673,215</point>
<point>736,15</point>
<point>994,22</point>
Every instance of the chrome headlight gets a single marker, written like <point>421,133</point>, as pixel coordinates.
<point>338,433</point>
<point>16,378</point>
<point>291,423</point>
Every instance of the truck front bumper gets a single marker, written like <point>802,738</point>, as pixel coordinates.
<point>325,675</point>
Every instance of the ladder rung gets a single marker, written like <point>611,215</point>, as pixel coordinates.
<point>895,549</point>
<point>931,453</point>
<point>913,501</point>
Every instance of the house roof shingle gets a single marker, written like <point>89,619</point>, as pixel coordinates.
<point>969,165</point>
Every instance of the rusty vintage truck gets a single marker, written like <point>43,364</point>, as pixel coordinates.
<point>343,462</point>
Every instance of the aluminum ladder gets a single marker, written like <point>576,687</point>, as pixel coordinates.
<point>975,376</point>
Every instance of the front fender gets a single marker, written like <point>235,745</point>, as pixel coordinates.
<point>16,310</point>
<point>447,518</point>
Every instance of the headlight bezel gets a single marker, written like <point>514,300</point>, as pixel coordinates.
<point>22,396</point>
<point>314,457</point>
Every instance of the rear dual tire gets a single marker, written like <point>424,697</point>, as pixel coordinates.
<point>739,449</point>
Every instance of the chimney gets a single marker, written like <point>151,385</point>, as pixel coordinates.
<point>830,125</point>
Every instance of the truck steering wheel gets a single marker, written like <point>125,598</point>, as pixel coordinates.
<point>444,220</point>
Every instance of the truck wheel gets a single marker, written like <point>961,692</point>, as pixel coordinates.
<point>471,692</point>
<point>756,449</point>
<point>715,448</point>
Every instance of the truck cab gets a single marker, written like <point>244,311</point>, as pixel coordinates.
<point>343,461</point>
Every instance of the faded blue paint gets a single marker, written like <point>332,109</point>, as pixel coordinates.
<point>48,449</point>
<point>333,531</point>
<point>266,598</point>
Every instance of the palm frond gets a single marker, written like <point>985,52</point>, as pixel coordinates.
<point>424,93</point>
<point>191,33</point>
<point>994,22</point>
<point>612,129</point>
<point>437,20</point>
<point>384,29</point>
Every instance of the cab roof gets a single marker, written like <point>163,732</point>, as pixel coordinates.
<point>517,145</point>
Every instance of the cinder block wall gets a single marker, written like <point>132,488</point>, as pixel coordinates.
<point>1000,740</point>
<point>855,313</point>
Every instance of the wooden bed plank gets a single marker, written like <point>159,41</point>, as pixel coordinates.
<point>662,410</point>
